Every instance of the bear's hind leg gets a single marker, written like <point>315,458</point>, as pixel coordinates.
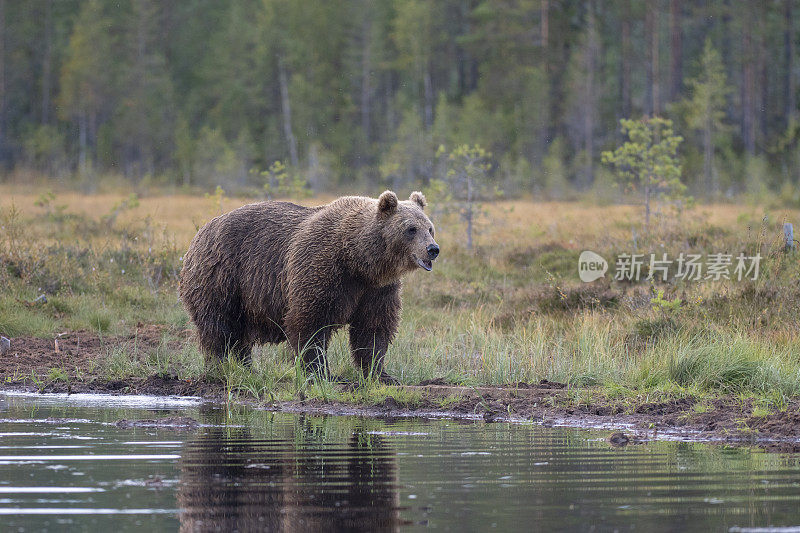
<point>309,340</point>
<point>311,346</point>
<point>243,353</point>
<point>313,312</point>
<point>224,338</point>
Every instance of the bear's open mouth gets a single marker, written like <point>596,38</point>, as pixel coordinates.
<point>427,264</point>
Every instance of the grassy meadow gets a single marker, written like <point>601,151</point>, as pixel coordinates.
<point>511,310</point>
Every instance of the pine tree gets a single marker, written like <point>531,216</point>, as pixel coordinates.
<point>88,77</point>
<point>145,120</point>
<point>705,109</point>
<point>648,160</point>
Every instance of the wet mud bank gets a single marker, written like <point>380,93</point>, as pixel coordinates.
<point>726,420</point>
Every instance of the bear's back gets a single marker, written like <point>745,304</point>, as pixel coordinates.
<point>242,254</point>
<point>263,234</point>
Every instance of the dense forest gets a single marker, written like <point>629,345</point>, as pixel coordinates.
<point>358,93</point>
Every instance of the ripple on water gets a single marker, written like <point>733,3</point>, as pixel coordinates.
<point>64,462</point>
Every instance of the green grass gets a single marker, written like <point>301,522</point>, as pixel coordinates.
<point>503,314</point>
<point>591,354</point>
<point>133,359</point>
<point>16,320</point>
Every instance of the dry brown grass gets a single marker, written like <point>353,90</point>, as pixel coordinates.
<point>511,310</point>
<point>509,224</point>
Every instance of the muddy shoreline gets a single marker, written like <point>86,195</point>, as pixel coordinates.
<point>726,424</point>
<point>726,420</point>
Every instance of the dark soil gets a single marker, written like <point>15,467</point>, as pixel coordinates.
<point>73,352</point>
<point>726,420</point>
<point>31,361</point>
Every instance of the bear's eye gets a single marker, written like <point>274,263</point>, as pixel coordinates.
<point>430,230</point>
<point>411,231</point>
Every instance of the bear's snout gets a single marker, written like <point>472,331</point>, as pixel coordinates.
<point>433,251</point>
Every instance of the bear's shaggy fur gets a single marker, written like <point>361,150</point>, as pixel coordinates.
<point>274,271</point>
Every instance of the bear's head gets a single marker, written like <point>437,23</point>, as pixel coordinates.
<point>407,231</point>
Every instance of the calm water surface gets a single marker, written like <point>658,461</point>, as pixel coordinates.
<point>65,465</point>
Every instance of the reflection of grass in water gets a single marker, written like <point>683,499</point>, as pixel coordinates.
<point>747,463</point>
<point>512,311</point>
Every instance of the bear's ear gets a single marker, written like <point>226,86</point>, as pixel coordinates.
<point>387,203</point>
<point>419,199</point>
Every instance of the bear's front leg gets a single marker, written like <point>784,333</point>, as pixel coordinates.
<point>373,327</point>
<point>309,326</point>
<point>310,344</point>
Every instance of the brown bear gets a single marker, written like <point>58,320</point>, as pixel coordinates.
<point>274,271</point>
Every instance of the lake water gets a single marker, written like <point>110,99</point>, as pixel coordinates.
<point>66,465</point>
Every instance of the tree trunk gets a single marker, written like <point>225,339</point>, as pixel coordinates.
<point>762,100</point>
<point>541,134</point>
<point>651,34</point>
<point>588,115</point>
<point>676,49</point>
<point>3,113</point>
<point>544,27</point>
<point>748,89</point>
<point>789,88</point>
<point>728,58</point>
<point>91,131</point>
<point>625,70</point>
<point>427,87</point>
<point>47,61</point>
<point>138,148</point>
<point>286,110</point>
<point>366,86</point>
<point>708,159</point>
<point>388,102</point>
<point>82,142</point>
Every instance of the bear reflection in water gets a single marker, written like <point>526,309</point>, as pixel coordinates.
<point>232,482</point>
